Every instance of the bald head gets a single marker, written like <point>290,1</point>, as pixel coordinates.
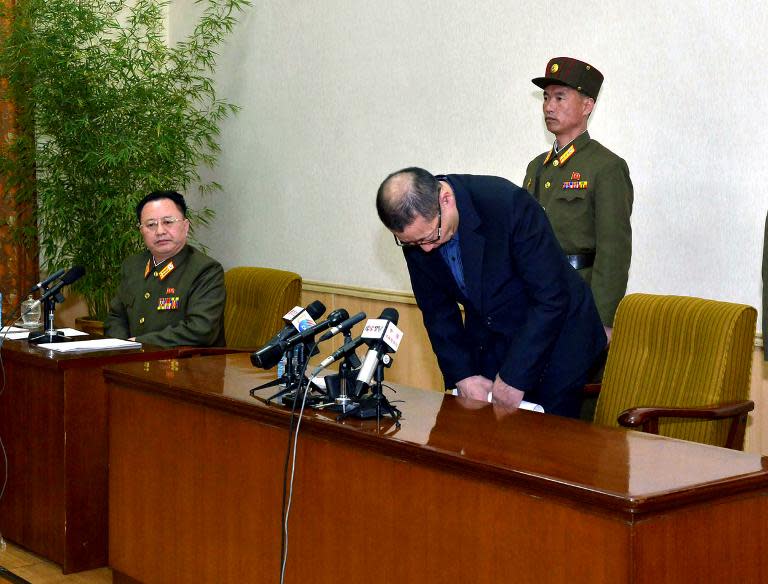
<point>406,194</point>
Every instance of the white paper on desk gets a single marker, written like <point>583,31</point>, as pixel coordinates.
<point>17,336</point>
<point>91,345</point>
<point>524,405</point>
<point>12,329</point>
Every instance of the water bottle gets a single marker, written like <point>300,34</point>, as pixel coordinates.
<point>31,312</point>
<point>281,368</point>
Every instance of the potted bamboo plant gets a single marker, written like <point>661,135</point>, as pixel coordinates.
<point>108,112</point>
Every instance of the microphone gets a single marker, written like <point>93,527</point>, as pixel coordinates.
<point>268,356</point>
<point>342,351</point>
<point>343,327</point>
<point>74,274</point>
<point>297,319</point>
<point>55,276</point>
<point>336,317</point>
<point>382,336</point>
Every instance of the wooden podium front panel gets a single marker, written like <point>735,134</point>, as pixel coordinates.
<point>457,494</point>
<point>53,422</point>
<point>196,496</point>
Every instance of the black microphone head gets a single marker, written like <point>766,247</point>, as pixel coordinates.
<point>268,356</point>
<point>74,273</point>
<point>390,314</point>
<point>316,309</point>
<point>337,316</point>
<point>354,319</point>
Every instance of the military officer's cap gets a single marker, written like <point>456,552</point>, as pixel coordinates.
<point>581,76</point>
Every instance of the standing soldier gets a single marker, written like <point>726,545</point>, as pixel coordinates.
<point>584,188</point>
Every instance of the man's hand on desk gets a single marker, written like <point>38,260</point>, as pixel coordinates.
<point>475,387</point>
<point>505,395</point>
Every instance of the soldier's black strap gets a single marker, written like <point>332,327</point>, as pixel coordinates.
<point>581,260</point>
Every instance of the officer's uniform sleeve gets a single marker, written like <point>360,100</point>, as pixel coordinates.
<point>204,319</point>
<point>613,238</point>
<point>116,324</point>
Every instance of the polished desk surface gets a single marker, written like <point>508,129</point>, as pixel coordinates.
<point>617,471</point>
<point>22,351</point>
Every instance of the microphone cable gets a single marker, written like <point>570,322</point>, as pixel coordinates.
<point>290,462</point>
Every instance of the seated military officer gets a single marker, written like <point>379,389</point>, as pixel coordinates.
<point>172,294</point>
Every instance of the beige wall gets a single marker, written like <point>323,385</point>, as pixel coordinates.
<point>336,94</point>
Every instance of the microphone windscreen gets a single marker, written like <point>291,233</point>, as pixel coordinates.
<point>74,273</point>
<point>390,314</point>
<point>316,309</point>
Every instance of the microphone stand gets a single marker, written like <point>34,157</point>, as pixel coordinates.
<point>50,334</point>
<point>293,377</point>
<point>373,405</point>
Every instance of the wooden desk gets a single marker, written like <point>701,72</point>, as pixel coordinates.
<point>53,422</point>
<point>456,495</point>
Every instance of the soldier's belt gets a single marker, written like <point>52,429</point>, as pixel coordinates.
<point>581,260</point>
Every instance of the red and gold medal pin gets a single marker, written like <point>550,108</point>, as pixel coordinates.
<point>168,303</point>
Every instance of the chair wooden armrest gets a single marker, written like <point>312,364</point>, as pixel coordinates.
<point>185,352</point>
<point>648,418</point>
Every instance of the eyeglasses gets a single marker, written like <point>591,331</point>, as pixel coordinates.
<point>426,240</point>
<point>167,222</point>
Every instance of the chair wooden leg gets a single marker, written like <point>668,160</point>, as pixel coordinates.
<point>736,432</point>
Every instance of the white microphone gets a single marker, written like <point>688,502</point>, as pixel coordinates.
<point>383,336</point>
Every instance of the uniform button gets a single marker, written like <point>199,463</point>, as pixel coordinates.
<point>141,320</point>
<point>146,295</point>
<point>488,321</point>
<point>154,274</point>
<point>547,184</point>
<point>556,163</point>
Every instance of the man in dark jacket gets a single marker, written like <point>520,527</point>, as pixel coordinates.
<point>172,294</point>
<point>531,327</point>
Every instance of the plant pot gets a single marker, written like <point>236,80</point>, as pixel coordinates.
<point>90,326</point>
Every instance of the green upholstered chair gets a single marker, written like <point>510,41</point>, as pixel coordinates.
<point>257,299</point>
<point>683,367</point>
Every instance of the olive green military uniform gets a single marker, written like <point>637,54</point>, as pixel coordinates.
<point>178,302</point>
<point>587,194</point>
<point>765,290</point>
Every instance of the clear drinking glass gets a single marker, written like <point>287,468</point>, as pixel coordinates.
<point>31,312</point>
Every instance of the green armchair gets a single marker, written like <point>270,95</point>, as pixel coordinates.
<point>680,367</point>
<point>257,299</point>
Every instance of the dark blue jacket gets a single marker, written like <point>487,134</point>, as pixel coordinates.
<point>528,317</point>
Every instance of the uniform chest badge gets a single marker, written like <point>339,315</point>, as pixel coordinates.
<point>168,303</point>
<point>576,182</point>
<point>169,291</point>
<point>166,270</point>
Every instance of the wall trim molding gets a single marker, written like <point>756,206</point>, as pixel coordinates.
<point>359,292</point>
<point>393,296</point>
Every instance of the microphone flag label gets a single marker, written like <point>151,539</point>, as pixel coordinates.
<point>296,310</point>
<point>303,321</point>
<point>393,336</point>
<point>374,328</point>
<point>381,328</point>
